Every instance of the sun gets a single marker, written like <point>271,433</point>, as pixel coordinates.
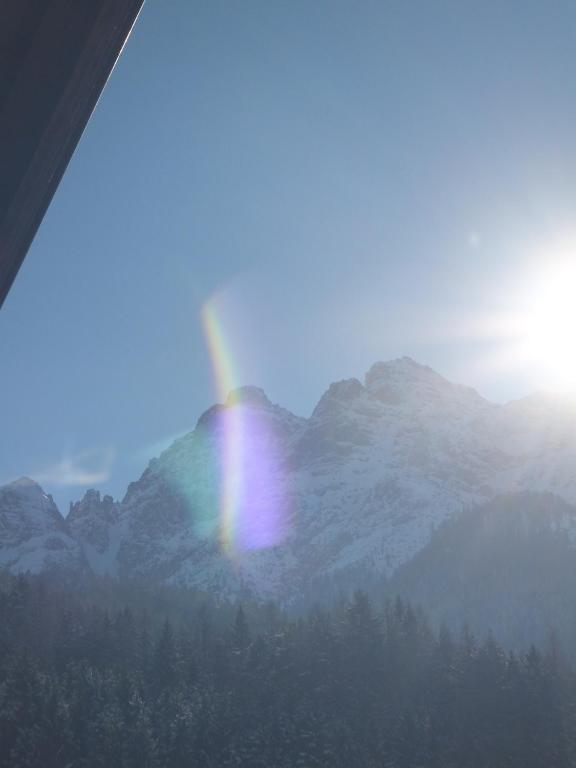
<point>545,324</point>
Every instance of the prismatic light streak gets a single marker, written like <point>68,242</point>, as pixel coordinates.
<point>231,424</point>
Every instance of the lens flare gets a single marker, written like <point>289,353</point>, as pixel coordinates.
<point>252,498</point>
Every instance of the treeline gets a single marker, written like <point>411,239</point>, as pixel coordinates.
<point>170,679</point>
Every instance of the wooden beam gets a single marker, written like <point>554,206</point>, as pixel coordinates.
<point>55,58</point>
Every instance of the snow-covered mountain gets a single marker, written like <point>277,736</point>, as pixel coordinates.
<point>33,534</point>
<point>258,498</point>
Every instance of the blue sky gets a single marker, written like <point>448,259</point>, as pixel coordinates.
<point>355,180</point>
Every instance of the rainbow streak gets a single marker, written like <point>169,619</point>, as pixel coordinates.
<point>253,506</point>
<point>231,459</point>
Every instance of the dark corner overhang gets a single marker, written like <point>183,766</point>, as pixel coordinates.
<point>55,58</point>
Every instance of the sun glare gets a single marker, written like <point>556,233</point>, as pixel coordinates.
<point>545,325</point>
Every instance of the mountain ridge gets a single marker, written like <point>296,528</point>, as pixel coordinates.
<point>361,483</point>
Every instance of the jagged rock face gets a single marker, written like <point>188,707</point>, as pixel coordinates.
<point>33,535</point>
<point>258,498</point>
<point>94,523</point>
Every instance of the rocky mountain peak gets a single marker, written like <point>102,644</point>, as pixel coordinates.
<point>34,536</point>
<point>404,382</point>
<point>339,396</point>
<point>26,494</point>
<point>399,377</point>
<point>92,503</point>
<point>347,389</point>
<point>92,521</point>
<point>24,486</point>
<point>248,395</point>
<point>253,397</point>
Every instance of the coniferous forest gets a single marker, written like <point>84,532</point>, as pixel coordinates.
<point>124,677</point>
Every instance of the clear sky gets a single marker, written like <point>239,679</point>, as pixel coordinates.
<point>353,181</point>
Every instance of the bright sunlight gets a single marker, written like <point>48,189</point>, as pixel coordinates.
<point>544,324</point>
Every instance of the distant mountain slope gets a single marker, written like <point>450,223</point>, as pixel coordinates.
<point>508,567</point>
<point>257,498</point>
